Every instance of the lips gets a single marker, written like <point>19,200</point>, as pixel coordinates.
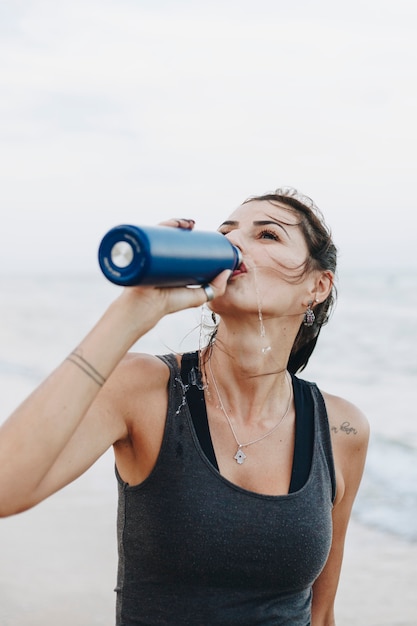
<point>240,270</point>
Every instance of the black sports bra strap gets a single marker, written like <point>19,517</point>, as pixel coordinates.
<point>304,435</point>
<point>191,379</point>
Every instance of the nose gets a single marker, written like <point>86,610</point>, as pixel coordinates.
<point>238,247</point>
<point>235,238</point>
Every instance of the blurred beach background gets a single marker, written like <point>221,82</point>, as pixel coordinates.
<point>121,112</point>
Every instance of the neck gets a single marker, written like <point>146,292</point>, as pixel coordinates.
<point>257,349</point>
<point>249,372</point>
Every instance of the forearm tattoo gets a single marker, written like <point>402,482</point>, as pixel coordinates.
<point>345,427</point>
<point>87,368</point>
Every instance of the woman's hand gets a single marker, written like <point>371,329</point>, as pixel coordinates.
<point>152,303</point>
<point>145,306</point>
<point>182,222</point>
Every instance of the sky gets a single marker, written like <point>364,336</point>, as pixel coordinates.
<point>123,111</point>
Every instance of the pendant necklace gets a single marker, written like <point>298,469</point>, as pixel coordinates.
<point>240,456</point>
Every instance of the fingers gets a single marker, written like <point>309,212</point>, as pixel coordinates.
<point>217,287</point>
<point>219,283</point>
<point>153,303</point>
<point>209,291</point>
<point>182,222</point>
<point>188,297</point>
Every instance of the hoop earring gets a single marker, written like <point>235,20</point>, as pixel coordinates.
<point>309,317</point>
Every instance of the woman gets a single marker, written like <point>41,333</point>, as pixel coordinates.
<point>236,479</point>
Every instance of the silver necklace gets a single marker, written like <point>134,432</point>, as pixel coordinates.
<point>240,456</point>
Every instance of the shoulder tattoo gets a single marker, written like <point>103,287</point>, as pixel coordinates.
<point>344,427</point>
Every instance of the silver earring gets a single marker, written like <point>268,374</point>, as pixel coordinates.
<point>309,316</point>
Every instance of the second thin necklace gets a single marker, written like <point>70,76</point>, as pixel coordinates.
<point>240,456</point>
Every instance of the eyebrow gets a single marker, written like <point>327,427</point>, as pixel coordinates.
<point>261,223</point>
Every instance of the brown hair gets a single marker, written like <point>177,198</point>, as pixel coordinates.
<point>322,256</point>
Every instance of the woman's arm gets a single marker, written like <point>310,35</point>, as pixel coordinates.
<point>350,435</point>
<point>33,441</point>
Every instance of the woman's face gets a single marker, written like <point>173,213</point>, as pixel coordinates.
<point>274,253</point>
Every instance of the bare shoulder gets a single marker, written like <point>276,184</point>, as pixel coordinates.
<point>137,381</point>
<point>346,419</point>
<point>349,430</point>
<point>142,369</point>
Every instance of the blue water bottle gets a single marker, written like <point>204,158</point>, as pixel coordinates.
<point>165,257</point>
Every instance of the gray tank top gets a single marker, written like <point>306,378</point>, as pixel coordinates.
<point>197,550</point>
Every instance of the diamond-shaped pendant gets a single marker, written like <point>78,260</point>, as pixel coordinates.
<point>240,456</point>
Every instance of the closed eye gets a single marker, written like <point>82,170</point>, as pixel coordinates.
<point>268,234</point>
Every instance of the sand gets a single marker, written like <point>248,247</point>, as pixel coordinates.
<point>378,581</point>
<point>58,564</point>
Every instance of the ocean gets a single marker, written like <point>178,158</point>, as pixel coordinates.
<point>367,354</point>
